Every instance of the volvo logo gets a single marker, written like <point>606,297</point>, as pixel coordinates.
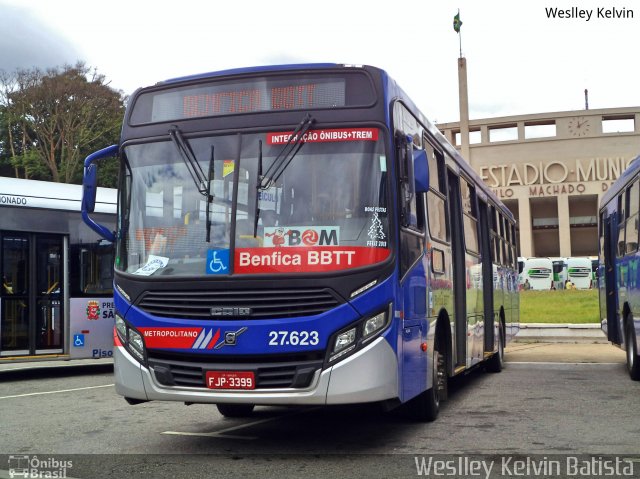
<point>229,311</point>
<point>230,338</point>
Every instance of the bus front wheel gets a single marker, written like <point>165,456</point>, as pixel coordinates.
<point>235,410</point>
<point>633,361</point>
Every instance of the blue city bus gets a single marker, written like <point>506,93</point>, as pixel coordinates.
<point>618,274</point>
<point>297,235</point>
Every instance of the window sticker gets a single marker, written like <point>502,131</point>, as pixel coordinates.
<point>154,263</point>
<point>305,259</point>
<point>218,261</point>
<point>227,168</point>
<point>376,234</point>
<point>269,199</point>
<point>323,136</point>
<point>287,236</point>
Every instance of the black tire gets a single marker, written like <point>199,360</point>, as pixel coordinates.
<point>426,406</point>
<point>633,360</point>
<point>496,362</point>
<point>235,410</point>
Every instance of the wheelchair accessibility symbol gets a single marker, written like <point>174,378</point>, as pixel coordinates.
<point>78,340</point>
<point>218,261</point>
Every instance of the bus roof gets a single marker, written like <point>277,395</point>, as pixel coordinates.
<point>257,69</point>
<point>45,194</point>
<point>621,182</point>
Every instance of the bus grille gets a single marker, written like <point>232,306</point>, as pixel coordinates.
<point>268,375</point>
<point>239,304</point>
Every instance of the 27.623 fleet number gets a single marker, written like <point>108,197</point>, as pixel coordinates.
<point>293,338</point>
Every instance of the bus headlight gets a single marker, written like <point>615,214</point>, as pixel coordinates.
<point>136,343</point>
<point>372,325</point>
<point>350,340</point>
<point>344,340</point>
<point>121,328</point>
<point>131,339</point>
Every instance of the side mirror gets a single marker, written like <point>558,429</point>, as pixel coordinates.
<point>421,171</point>
<point>90,189</point>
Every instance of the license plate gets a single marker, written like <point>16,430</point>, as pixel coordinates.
<point>230,380</point>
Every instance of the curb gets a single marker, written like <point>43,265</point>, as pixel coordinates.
<point>15,367</point>
<point>561,333</point>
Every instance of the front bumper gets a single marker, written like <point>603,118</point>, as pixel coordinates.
<point>369,375</point>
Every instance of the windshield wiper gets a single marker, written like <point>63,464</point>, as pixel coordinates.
<point>256,210</point>
<point>296,140</point>
<point>203,185</point>
<point>209,195</point>
<point>186,153</point>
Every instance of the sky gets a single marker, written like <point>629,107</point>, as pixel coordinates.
<point>519,60</point>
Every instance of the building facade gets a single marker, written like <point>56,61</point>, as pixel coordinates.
<point>551,170</point>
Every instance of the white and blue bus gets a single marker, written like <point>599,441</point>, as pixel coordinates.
<point>538,273</point>
<point>297,235</point>
<point>618,272</point>
<point>580,272</point>
<point>56,299</point>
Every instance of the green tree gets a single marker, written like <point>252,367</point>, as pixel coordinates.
<point>15,156</point>
<point>52,120</point>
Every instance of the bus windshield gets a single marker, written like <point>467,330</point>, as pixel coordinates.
<point>327,211</point>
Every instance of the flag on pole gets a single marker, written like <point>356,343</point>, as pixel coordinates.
<point>457,23</point>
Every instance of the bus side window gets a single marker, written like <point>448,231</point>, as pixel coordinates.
<point>494,241</point>
<point>507,244</point>
<point>412,204</point>
<point>501,239</point>
<point>621,223</point>
<point>93,265</point>
<point>633,201</point>
<point>470,216</point>
<point>514,245</point>
<point>436,196</point>
<point>601,235</point>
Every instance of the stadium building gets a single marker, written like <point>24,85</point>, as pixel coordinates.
<point>550,169</point>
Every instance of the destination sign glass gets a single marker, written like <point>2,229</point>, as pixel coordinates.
<point>300,92</point>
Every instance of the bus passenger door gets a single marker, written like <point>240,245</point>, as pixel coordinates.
<point>413,277</point>
<point>608,252</point>
<point>487,277</point>
<point>31,311</point>
<point>459,272</point>
<point>49,284</point>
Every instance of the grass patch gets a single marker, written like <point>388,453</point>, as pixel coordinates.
<point>562,306</point>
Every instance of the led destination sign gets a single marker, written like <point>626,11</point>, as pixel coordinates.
<point>261,94</point>
<point>289,97</point>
